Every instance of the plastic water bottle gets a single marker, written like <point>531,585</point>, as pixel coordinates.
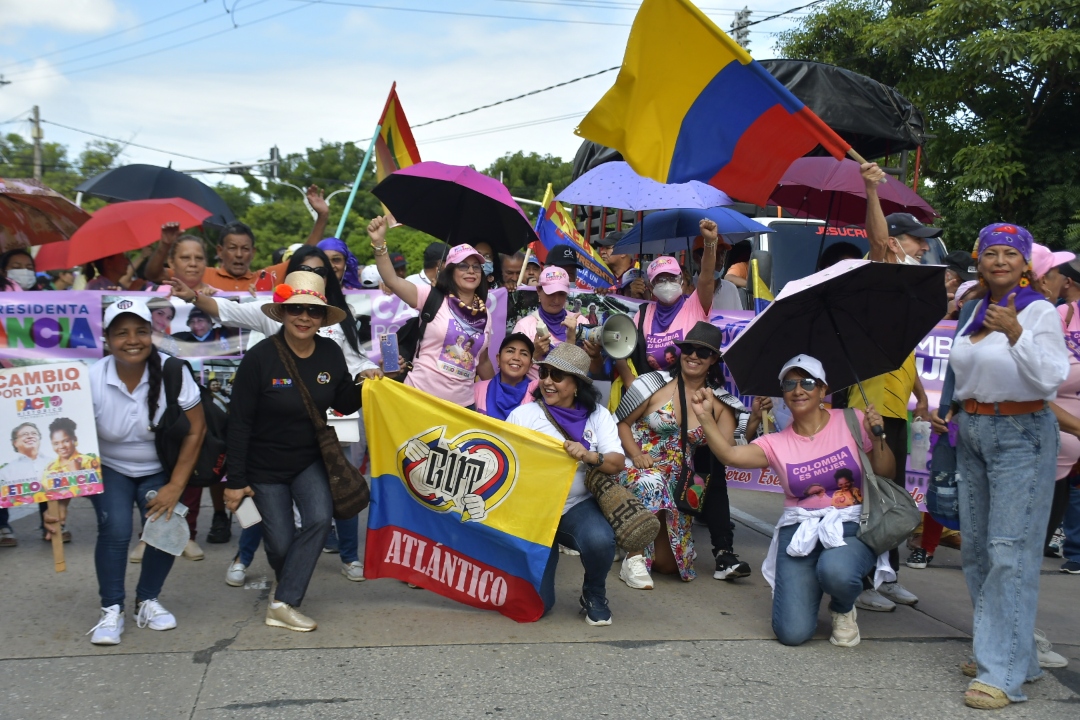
<point>920,444</point>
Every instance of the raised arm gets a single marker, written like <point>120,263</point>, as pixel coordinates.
<point>322,214</point>
<point>706,282</point>
<point>401,287</point>
<point>155,266</point>
<point>740,456</point>
<point>877,230</point>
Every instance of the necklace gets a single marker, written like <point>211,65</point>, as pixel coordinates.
<point>819,428</point>
<point>476,307</point>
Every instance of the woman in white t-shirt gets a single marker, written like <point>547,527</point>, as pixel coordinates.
<point>129,400</point>
<point>814,548</point>
<point>453,351</point>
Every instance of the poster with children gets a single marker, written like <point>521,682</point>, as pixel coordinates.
<point>47,417</point>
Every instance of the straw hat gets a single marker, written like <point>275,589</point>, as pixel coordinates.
<point>705,335</point>
<point>570,359</point>
<point>302,288</point>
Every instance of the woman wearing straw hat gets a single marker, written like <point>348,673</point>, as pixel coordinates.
<point>273,454</point>
<point>568,408</point>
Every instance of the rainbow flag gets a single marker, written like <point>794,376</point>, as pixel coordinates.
<point>690,104</point>
<point>394,147</point>
<point>762,295</point>
<point>554,226</point>
<point>461,504</point>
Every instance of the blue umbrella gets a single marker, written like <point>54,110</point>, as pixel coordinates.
<point>671,230</point>
<point>616,185</point>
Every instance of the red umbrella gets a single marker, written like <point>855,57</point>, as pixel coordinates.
<point>53,256</point>
<point>130,225</point>
<point>32,214</point>
<point>833,190</point>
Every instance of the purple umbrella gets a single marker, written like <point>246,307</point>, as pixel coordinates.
<point>456,204</point>
<point>616,185</point>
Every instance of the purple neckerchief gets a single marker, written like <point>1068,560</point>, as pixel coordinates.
<point>351,279</point>
<point>554,323</point>
<point>1024,297</point>
<point>503,398</point>
<point>477,322</point>
<point>571,420</point>
<point>665,315</point>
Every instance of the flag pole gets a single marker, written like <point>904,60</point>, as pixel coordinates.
<point>356,185</point>
<point>524,264</point>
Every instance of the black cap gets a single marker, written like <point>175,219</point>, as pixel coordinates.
<point>962,264</point>
<point>520,337</point>
<point>435,253</point>
<point>197,313</point>
<point>610,239</point>
<point>564,256</point>
<point>908,224</point>
<point>398,260</point>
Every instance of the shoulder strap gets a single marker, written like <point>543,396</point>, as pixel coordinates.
<point>552,420</point>
<point>427,315</point>
<point>172,379</point>
<point>1069,315</point>
<point>290,366</point>
<point>864,461</point>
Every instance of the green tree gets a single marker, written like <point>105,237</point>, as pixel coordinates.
<point>999,83</point>
<point>527,176</point>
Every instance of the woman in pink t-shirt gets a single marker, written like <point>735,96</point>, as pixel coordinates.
<point>814,549</point>
<point>453,350</point>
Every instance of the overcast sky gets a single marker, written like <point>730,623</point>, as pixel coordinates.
<point>178,76</point>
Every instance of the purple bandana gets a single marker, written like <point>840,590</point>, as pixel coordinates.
<point>1014,236</point>
<point>554,323</point>
<point>1024,297</point>
<point>665,315</point>
<point>351,279</point>
<point>572,420</point>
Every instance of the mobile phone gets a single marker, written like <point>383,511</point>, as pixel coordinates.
<point>265,282</point>
<point>388,346</point>
<point>247,514</point>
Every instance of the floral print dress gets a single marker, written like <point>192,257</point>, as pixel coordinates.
<point>658,435</point>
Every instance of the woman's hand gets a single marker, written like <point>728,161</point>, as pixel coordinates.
<point>54,523</point>
<point>169,232</point>
<point>1003,320</point>
<point>317,201</point>
<point>708,231</point>
<point>701,402</point>
<point>164,502</point>
<point>376,231</point>
<point>233,497</point>
<point>643,461</point>
<point>872,175</point>
<point>181,290</point>
<point>368,374</point>
<point>592,349</point>
<point>938,425</point>
<point>570,322</point>
<point>541,347</point>
<point>871,418</point>
<point>759,407</point>
<point>575,450</point>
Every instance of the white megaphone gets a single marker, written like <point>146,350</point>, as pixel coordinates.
<point>618,336</point>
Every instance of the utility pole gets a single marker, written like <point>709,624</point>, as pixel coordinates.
<point>739,33</point>
<point>37,135</point>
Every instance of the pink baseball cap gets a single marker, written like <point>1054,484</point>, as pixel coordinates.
<point>664,264</point>
<point>459,253</point>
<point>554,279</point>
<point>1043,260</point>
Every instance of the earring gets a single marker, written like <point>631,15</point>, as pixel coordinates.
<point>821,406</point>
<point>1024,282</point>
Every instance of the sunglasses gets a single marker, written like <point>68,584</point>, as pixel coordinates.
<point>557,376</point>
<point>320,271</point>
<point>315,312</point>
<point>806,384</point>
<point>703,353</point>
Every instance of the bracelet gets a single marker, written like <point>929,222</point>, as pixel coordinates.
<point>712,245</point>
<point>378,249</point>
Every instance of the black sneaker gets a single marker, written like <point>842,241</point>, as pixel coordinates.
<point>220,528</point>
<point>729,566</point>
<point>596,610</point>
<point>1071,566</point>
<point>918,559</point>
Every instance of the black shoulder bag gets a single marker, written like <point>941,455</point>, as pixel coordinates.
<point>412,332</point>
<point>173,427</point>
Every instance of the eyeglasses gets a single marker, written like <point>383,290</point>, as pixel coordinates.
<point>703,353</point>
<point>806,384</point>
<point>471,267</point>
<point>557,376</point>
<point>34,435</point>
<point>315,312</point>
<point>320,271</point>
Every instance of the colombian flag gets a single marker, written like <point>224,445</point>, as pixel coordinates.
<point>461,504</point>
<point>395,147</point>
<point>554,226</point>
<point>762,295</point>
<point>690,104</point>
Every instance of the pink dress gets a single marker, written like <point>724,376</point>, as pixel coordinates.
<point>1068,398</point>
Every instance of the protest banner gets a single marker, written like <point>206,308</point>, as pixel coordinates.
<point>50,325</point>
<point>463,505</point>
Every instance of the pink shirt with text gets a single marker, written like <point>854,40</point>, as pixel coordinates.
<point>445,363</point>
<point>690,314</point>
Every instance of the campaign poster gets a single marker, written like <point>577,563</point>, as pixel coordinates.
<point>61,325</point>
<point>50,448</point>
<point>185,331</point>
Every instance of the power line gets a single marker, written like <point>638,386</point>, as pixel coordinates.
<point>458,13</point>
<point>786,12</point>
<point>601,5</point>
<point>17,118</point>
<point>502,128</point>
<point>132,144</point>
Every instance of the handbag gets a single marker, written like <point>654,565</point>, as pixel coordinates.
<point>889,513</point>
<point>634,526</point>
<point>690,488</point>
<point>348,488</point>
<point>942,493</point>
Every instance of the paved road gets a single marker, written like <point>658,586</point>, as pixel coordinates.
<point>701,649</point>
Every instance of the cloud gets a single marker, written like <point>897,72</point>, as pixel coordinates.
<point>77,16</point>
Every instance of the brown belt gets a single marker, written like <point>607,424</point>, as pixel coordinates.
<point>974,407</point>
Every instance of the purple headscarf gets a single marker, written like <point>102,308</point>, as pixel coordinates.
<point>351,279</point>
<point>1019,239</point>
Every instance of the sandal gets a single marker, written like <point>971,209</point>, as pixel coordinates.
<point>991,699</point>
<point>969,668</point>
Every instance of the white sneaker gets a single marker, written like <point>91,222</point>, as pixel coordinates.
<point>236,574</point>
<point>193,552</point>
<point>353,571</point>
<point>153,616</point>
<point>568,551</point>
<point>635,573</point>
<point>109,628</point>
<point>873,600</point>
<point>897,593</point>
<point>1047,657</point>
<point>137,553</point>
<point>845,631</point>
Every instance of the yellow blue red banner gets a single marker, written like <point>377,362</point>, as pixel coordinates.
<point>554,226</point>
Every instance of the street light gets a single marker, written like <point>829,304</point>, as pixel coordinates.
<point>303,193</point>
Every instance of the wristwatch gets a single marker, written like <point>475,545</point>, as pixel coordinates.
<point>599,460</point>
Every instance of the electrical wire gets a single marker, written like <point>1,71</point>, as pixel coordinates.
<point>132,144</point>
<point>458,13</point>
<point>18,117</point>
<point>502,128</point>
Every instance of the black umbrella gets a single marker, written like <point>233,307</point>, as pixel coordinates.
<point>859,318</point>
<point>143,182</point>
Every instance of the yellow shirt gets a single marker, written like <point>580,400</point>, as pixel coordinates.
<point>888,393</point>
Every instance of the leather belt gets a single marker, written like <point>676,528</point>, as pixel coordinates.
<point>974,407</point>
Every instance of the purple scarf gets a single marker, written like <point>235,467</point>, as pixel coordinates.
<point>351,279</point>
<point>554,323</point>
<point>503,398</point>
<point>571,420</point>
<point>1024,297</point>
<point>665,315</point>
<point>475,322</point>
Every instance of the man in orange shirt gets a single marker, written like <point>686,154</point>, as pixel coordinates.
<point>235,251</point>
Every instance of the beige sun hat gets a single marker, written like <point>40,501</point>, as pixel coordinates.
<point>570,359</point>
<point>302,288</point>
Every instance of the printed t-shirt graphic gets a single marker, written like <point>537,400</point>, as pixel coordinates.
<point>446,361</point>
<point>689,315</point>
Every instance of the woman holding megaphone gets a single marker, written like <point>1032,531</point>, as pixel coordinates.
<point>552,324</point>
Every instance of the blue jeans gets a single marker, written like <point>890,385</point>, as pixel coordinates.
<point>1071,524</point>
<point>250,537</point>
<point>113,509</point>
<point>348,541</point>
<point>585,529</point>
<point>1006,466</point>
<point>801,581</point>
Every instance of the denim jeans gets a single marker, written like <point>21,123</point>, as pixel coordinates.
<point>801,581</point>
<point>1071,524</point>
<point>113,509</point>
<point>585,529</point>
<point>293,553</point>
<point>250,537</point>
<point>1006,466</point>
<point>348,535</point>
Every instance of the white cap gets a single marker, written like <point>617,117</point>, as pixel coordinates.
<point>369,277</point>
<point>126,305</point>
<point>810,365</point>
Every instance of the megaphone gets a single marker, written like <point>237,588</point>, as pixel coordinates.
<point>618,336</point>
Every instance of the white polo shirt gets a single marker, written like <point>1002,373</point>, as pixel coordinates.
<point>125,440</point>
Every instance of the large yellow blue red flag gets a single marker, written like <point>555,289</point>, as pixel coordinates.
<point>394,147</point>
<point>461,504</point>
<point>690,104</point>
<point>554,226</point>
<point>762,294</point>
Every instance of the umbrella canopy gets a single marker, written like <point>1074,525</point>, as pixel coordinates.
<point>53,256</point>
<point>131,225</point>
<point>833,190</point>
<point>32,214</point>
<point>145,182</point>
<point>616,185</point>
<point>456,204</point>
<point>860,319</point>
<point>670,230</point>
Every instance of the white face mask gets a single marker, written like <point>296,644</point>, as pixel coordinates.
<point>667,292</point>
<point>24,277</point>
<point>906,259</point>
